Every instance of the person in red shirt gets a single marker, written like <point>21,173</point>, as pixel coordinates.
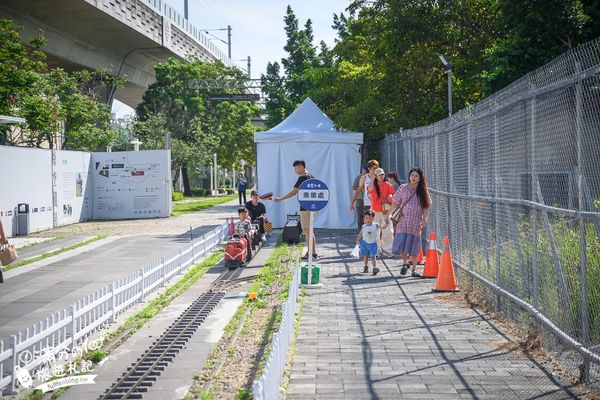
<point>380,194</point>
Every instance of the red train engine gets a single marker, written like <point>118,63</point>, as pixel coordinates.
<point>243,243</point>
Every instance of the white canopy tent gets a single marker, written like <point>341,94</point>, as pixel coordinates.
<point>330,155</point>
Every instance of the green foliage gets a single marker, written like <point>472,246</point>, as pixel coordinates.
<point>201,204</point>
<point>243,394</point>
<point>51,100</point>
<point>35,395</point>
<point>138,320</point>
<point>533,33</point>
<point>200,192</point>
<point>384,73</point>
<point>97,356</point>
<point>286,89</point>
<point>197,126</point>
<point>177,196</point>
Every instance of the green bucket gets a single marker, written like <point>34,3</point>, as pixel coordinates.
<point>316,275</point>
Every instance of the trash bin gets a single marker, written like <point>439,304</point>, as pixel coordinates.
<point>22,219</point>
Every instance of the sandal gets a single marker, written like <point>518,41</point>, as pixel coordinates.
<point>365,269</point>
<point>404,269</point>
<point>375,271</point>
<point>415,274</point>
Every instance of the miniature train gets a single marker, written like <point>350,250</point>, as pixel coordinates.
<point>244,242</point>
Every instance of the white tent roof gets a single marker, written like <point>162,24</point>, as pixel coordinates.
<point>307,124</point>
<point>331,156</point>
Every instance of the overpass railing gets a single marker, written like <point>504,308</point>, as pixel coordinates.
<point>71,327</point>
<point>515,184</point>
<point>183,24</point>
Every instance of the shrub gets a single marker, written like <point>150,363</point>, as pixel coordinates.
<point>97,356</point>
<point>177,196</point>
<point>199,192</point>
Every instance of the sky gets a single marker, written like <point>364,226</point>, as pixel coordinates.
<point>257,28</point>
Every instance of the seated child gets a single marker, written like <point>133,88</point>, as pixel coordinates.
<point>245,228</point>
<point>367,239</point>
<point>244,225</point>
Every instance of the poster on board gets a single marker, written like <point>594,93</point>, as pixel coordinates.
<point>131,184</point>
<point>73,194</point>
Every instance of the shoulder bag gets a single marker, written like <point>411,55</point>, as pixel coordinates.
<point>395,217</point>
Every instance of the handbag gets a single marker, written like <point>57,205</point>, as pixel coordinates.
<point>395,217</point>
<point>268,226</point>
<point>8,254</point>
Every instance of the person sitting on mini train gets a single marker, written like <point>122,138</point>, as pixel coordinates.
<point>245,228</point>
<point>257,212</point>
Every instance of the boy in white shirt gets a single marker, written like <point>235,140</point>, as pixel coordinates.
<point>367,240</point>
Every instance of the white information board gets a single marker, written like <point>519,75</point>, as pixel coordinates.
<point>122,185</point>
<point>131,184</point>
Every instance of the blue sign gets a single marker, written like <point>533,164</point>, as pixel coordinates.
<point>313,195</point>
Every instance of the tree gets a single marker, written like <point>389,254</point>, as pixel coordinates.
<point>51,100</point>
<point>20,69</point>
<point>198,127</point>
<point>535,33</point>
<point>286,89</point>
<point>386,72</point>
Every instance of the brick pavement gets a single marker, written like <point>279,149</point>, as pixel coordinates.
<point>390,337</point>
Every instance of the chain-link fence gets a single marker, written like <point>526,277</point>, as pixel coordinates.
<point>515,183</point>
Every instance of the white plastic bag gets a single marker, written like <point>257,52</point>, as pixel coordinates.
<point>355,253</point>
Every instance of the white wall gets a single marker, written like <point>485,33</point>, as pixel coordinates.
<point>26,178</point>
<point>134,185</point>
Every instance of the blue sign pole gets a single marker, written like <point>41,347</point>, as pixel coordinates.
<point>313,196</point>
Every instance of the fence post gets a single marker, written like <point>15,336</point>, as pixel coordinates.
<point>73,327</point>
<point>141,274</point>
<point>163,265</point>
<point>193,247</point>
<point>585,322</point>
<point>180,264</point>
<point>13,345</point>
<point>533,217</point>
<point>257,390</point>
<point>113,302</point>
<point>496,213</point>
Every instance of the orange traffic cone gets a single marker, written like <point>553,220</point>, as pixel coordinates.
<point>432,263</point>
<point>446,281</point>
<point>420,257</point>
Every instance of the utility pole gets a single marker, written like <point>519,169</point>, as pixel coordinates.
<point>185,9</point>
<point>249,74</point>
<point>229,40</point>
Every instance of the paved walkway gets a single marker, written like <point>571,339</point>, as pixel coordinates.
<point>35,291</point>
<point>390,337</point>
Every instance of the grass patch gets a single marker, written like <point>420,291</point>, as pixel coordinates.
<point>288,367</point>
<point>241,358</point>
<point>52,253</point>
<point>201,204</point>
<point>138,320</point>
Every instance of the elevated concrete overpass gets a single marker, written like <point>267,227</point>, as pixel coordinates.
<point>126,36</point>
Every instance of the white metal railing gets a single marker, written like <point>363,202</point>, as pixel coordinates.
<point>268,386</point>
<point>70,327</point>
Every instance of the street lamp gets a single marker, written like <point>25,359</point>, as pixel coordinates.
<point>448,68</point>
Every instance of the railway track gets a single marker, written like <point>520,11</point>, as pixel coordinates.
<point>142,374</point>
